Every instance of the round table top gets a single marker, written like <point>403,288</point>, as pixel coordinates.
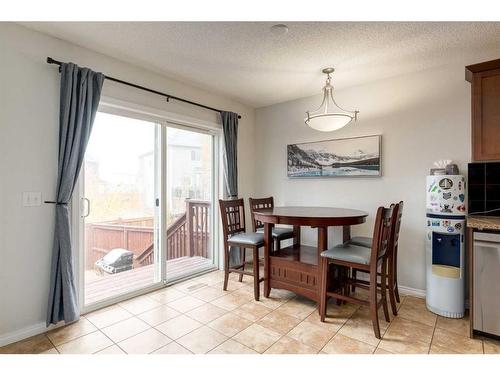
<point>321,216</point>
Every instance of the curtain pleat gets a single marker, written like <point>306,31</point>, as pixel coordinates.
<point>230,129</point>
<point>80,92</point>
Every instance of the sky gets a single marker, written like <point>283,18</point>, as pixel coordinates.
<point>117,142</point>
<point>345,147</point>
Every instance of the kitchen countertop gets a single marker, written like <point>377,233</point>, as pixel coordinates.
<point>483,222</point>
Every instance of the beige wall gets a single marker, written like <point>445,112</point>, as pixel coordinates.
<point>29,91</point>
<point>422,117</point>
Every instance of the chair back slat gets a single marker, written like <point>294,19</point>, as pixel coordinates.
<point>381,235</point>
<point>394,230</point>
<point>232,213</point>
<point>257,204</point>
<point>397,225</point>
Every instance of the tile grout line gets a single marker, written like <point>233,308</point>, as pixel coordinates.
<point>256,322</point>
<point>150,326</point>
<point>73,339</point>
<point>227,312</point>
<point>48,338</point>
<point>203,324</point>
<point>335,334</point>
<point>390,323</point>
<point>432,338</point>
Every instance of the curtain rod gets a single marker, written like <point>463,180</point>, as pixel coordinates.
<point>50,60</point>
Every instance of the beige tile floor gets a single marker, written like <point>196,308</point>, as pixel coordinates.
<point>197,316</point>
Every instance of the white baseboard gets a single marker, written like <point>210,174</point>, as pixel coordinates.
<point>411,291</point>
<point>22,334</point>
<point>406,290</point>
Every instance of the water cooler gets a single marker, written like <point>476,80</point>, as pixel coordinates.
<point>445,246</point>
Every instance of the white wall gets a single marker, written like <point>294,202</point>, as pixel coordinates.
<point>29,102</point>
<point>422,117</point>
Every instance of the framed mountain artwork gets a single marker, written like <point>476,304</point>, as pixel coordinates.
<point>345,157</point>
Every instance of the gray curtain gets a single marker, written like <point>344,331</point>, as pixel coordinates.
<point>230,129</point>
<point>80,92</point>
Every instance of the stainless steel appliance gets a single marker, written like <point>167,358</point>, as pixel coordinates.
<point>486,293</point>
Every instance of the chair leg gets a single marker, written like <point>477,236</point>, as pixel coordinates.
<point>373,303</point>
<point>226,267</point>
<point>383,288</point>
<point>347,289</point>
<point>354,277</point>
<point>256,283</point>
<point>395,269</point>
<point>339,278</point>
<point>392,292</point>
<point>322,295</point>
<point>243,262</point>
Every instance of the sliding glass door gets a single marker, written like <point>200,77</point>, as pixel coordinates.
<point>189,180</point>
<point>146,206</point>
<point>120,210</point>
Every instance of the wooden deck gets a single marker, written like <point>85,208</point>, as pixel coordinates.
<point>98,288</point>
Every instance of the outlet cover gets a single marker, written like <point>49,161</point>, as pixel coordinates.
<point>32,198</point>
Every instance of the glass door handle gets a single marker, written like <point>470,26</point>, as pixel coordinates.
<point>88,207</point>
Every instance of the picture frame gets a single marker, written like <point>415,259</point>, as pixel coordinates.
<point>342,157</point>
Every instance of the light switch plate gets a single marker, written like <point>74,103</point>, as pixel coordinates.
<point>32,198</point>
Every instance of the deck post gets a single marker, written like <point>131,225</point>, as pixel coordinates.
<point>189,227</point>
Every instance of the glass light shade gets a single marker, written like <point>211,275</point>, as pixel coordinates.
<point>324,118</point>
<point>328,122</point>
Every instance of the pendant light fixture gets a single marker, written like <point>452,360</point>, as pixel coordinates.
<point>329,116</point>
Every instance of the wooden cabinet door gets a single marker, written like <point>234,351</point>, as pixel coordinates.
<point>486,115</point>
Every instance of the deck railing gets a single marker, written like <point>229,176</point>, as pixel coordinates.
<point>188,235</point>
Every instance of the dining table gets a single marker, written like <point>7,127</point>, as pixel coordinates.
<point>297,267</point>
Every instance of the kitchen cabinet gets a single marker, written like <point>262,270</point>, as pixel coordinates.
<point>485,81</point>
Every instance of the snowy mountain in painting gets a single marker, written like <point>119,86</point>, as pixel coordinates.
<point>335,158</point>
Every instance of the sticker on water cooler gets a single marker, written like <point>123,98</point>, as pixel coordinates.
<point>447,195</point>
<point>461,208</point>
<point>446,223</point>
<point>458,226</point>
<point>436,223</point>
<point>445,183</point>
<point>450,229</point>
<point>461,197</point>
<point>433,187</point>
<point>446,208</point>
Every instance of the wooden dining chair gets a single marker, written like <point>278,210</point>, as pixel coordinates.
<point>368,259</point>
<point>279,233</point>
<point>392,269</point>
<point>235,236</point>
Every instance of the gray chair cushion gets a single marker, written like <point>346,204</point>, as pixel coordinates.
<point>361,241</point>
<point>278,232</point>
<point>349,253</point>
<point>256,239</point>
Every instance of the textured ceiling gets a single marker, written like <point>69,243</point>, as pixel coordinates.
<point>245,61</point>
